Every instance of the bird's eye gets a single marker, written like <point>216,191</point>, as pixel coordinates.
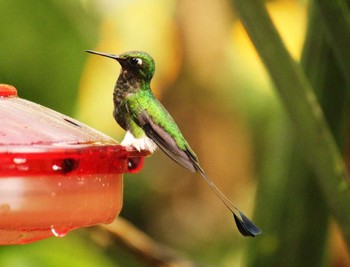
<point>134,61</point>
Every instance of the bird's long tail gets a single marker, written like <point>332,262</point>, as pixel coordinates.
<point>245,226</point>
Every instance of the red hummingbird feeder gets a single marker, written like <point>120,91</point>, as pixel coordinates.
<point>56,173</point>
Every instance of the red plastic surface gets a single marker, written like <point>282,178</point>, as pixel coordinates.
<point>7,90</point>
<point>56,173</point>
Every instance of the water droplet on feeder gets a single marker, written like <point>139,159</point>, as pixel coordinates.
<point>59,231</point>
<point>19,160</point>
<point>65,166</point>
<point>135,164</point>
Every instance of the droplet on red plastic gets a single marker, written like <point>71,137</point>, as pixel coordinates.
<point>135,164</point>
<point>65,166</point>
<point>7,90</point>
<point>59,231</point>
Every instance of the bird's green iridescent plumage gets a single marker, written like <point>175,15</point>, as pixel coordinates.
<point>145,100</point>
<point>144,117</point>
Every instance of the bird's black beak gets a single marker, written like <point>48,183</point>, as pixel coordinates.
<point>116,57</point>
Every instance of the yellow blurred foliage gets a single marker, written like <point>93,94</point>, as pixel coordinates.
<point>289,17</point>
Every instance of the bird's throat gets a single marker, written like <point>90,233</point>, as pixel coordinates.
<point>127,83</point>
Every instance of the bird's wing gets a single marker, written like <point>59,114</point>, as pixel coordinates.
<point>166,142</point>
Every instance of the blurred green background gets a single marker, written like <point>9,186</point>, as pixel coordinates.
<point>211,80</point>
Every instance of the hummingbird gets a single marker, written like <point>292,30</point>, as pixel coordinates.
<point>149,125</point>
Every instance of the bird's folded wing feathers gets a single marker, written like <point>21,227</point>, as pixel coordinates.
<point>165,141</point>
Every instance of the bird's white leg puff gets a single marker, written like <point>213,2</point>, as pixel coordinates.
<point>142,143</point>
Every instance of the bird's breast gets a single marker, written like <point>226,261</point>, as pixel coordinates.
<point>126,84</point>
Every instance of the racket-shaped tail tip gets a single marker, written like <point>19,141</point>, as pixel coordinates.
<point>245,226</point>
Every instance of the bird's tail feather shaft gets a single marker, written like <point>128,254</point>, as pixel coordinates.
<point>245,226</point>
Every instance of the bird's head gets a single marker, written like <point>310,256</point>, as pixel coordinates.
<point>138,63</point>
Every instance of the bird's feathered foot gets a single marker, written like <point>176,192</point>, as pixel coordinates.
<point>142,143</point>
